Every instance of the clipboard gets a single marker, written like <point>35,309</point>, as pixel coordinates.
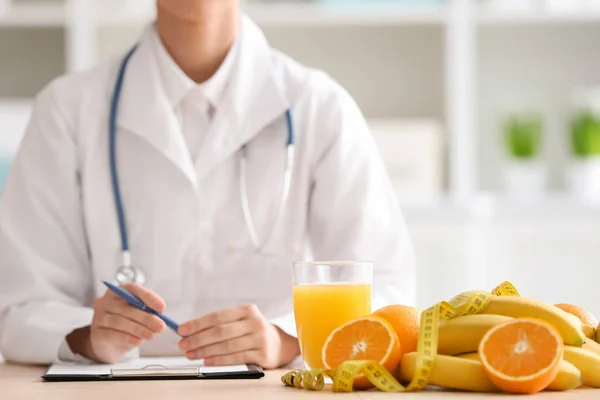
<point>149,369</point>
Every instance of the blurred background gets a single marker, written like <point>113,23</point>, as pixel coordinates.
<point>487,113</point>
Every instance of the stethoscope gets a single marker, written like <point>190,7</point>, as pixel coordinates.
<point>127,273</point>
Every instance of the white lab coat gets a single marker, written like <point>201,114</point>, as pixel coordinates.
<point>59,236</point>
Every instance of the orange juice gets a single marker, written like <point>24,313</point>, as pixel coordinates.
<point>320,308</point>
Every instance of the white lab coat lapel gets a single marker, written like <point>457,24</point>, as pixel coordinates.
<point>251,101</point>
<point>144,109</point>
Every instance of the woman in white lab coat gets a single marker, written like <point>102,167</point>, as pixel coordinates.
<point>201,83</point>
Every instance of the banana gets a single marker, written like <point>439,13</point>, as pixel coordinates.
<point>592,346</point>
<point>449,372</point>
<point>472,355</point>
<point>567,378</point>
<point>522,307</point>
<point>463,334</point>
<point>588,331</point>
<point>587,362</point>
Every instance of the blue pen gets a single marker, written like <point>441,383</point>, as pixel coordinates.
<point>139,304</point>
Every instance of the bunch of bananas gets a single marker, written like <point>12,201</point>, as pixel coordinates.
<point>457,364</point>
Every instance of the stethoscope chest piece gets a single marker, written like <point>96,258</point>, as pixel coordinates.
<point>129,274</point>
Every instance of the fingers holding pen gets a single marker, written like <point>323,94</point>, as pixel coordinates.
<point>147,296</point>
<point>120,323</point>
<point>117,327</point>
<point>146,320</point>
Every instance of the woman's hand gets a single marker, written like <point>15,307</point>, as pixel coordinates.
<point>237,335</point>
<point>117,327</point>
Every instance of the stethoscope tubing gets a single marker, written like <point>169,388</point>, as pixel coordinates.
<point>285,190</point>
<point>114,105</point>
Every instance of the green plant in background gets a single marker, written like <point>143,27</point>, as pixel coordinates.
<point>585,134</point>
<point>523,135</point>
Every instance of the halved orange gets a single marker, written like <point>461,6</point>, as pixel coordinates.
<point>521,355</point>
<point>368,338</point>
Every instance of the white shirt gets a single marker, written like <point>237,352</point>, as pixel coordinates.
<point>194,104</point>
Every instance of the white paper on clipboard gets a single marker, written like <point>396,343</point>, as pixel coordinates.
<point>144,363</point>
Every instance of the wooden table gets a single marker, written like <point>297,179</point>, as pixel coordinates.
<point>24,383</point>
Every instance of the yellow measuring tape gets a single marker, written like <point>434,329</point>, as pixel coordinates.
<point>343,377</point>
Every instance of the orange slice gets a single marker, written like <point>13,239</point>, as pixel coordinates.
<point>522,355</point>
<point>368,338</point>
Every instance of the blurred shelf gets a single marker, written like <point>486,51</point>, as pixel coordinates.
<point>334,13</point>
<point>442,210</point>
<point>296,13</point>
<point>135,16</point>
<point>552,207</point>
<point>537,17</point>
<point>497,208</point>
<point>307,14</point>
<point>34,16</point>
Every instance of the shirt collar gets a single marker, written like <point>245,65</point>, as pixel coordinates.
<point>177,84</point>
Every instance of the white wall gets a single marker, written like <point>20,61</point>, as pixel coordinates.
<point>552,259</point>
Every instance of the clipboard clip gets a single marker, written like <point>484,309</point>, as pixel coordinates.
<point>154,366</point>
<point>156,370</point>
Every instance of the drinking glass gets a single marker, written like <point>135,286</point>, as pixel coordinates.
<point>327,295</point>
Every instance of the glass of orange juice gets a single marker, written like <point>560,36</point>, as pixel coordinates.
<point>327,295</point>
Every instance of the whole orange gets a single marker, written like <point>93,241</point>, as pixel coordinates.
<point>584,315</point>
<point>406,321</point>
